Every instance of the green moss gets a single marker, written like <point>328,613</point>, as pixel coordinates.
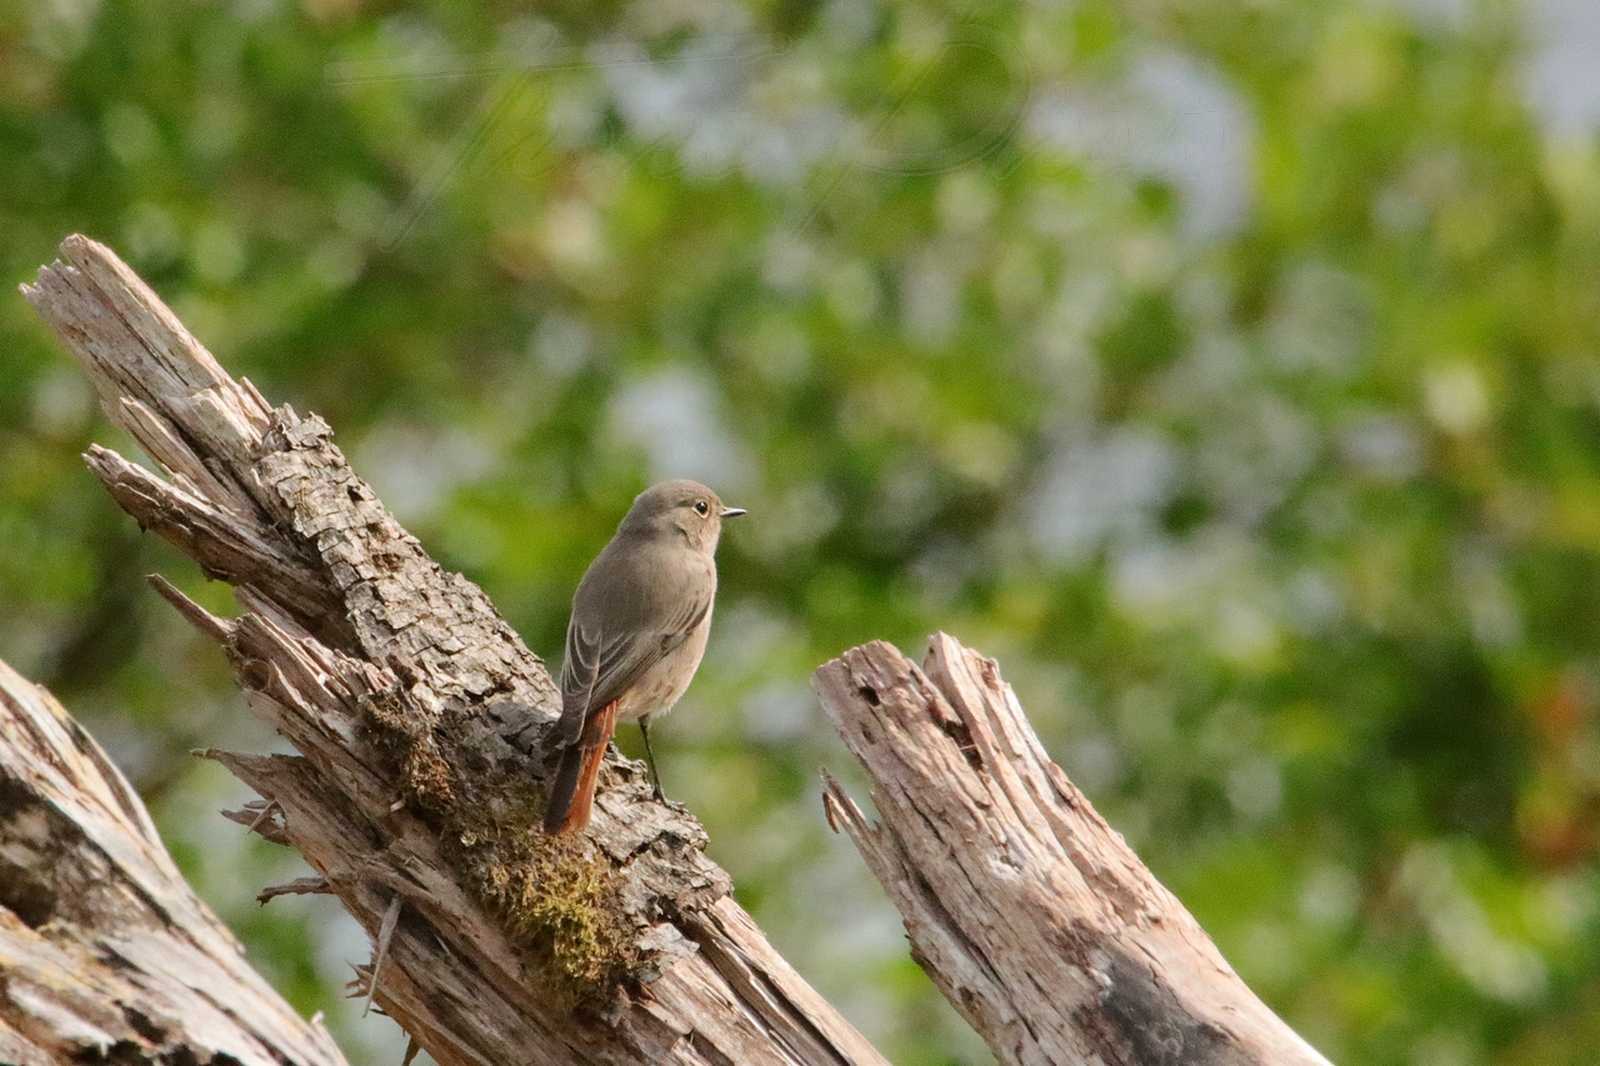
<point>408,740</point>
<point>559,901</point>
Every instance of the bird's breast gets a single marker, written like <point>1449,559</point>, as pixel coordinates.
<point>665,683</point>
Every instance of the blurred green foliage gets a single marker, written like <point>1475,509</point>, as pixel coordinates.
<point>1227,370</point>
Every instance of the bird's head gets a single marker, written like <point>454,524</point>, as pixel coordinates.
<point>679,508</point>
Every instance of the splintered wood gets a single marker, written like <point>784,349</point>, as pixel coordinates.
<point>1029,912</point>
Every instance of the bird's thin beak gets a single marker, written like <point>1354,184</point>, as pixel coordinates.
<point>733,512</point>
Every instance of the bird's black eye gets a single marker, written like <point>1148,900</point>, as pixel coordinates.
<point>702,506</point>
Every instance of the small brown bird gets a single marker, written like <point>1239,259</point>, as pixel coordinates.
<point>639,624</point>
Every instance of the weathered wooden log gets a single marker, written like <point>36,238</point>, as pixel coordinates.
<point>105,953</point>
<point>1031,914</point>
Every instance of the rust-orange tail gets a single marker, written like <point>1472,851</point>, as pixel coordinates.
<point>572,793</point>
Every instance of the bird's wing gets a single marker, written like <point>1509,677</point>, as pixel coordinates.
<point>601,666</point>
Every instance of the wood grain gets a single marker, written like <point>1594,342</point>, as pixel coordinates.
<point>105,953</point>
<point>1030,913</point>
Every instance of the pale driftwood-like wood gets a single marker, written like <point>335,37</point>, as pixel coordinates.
<point>105,953</point>
<point>348,623</point>
<point>1031,914</point>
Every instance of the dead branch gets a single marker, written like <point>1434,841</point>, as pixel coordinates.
<point>1029,912</point>
<point>105,953</point>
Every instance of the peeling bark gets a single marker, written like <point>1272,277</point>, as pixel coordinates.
<point>1030,913</point>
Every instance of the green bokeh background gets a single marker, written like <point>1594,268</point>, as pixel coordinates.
<point>1227,370</point>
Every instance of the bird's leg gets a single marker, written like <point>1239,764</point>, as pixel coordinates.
<point>650,758</point>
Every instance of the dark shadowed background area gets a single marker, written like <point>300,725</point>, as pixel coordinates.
<point>1227,370</point>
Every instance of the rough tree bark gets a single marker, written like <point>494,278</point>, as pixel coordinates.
<point>419,717</point>
<point>105,953</point>
<point>1029,912</point>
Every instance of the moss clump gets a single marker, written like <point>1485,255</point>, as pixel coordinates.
<point>407,739</point>
<point>560,902</point>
